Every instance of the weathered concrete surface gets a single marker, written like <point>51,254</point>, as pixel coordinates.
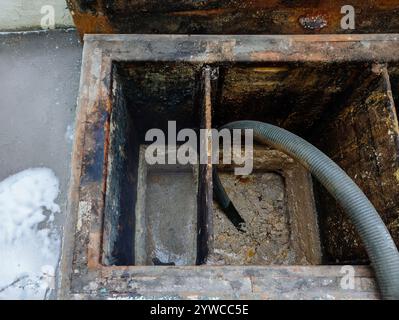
<point>166,213</point>
<point>26,14</point>
<point>39,80</point>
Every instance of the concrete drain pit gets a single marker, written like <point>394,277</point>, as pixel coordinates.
<point>166,214</point>
<point>151,211</point>
<point>139,230</point>
<point>155,215</point>
<point>276,201</point>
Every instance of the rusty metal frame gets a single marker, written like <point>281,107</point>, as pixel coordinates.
<point>83,274</point>
<point>231,17</point>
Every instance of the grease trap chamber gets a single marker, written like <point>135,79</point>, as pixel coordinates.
<point>135,220</point>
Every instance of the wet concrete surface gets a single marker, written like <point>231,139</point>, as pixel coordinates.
<point>166,214</point>
<point>39,81</point>
<point>171,212</point>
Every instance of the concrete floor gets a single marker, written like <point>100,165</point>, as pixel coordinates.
<point>39,81</point>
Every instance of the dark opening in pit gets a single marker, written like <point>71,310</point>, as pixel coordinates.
<point>344,109</point>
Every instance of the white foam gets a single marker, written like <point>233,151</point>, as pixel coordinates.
<point>29,241</point>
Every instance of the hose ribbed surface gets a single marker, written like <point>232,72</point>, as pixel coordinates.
<point>378,242</point>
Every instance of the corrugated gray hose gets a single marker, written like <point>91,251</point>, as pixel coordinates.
<point>378,242</point>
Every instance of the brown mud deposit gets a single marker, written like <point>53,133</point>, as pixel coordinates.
<point>260,200</point>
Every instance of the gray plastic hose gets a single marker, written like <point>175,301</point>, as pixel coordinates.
<point>378,242</point>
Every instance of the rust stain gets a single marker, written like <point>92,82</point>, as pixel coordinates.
<point>232,17</point>
<point>201,13</point>
<point>93,250</point>
<point>89,23</point>
<point>245,179</point>
<point>270,69</point>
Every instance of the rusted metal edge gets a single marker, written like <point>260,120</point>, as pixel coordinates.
<point>205,194</point>
<point>272,282</point>
<point>233,17</point>
<point>297,37</point>
<point>259,48</point>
